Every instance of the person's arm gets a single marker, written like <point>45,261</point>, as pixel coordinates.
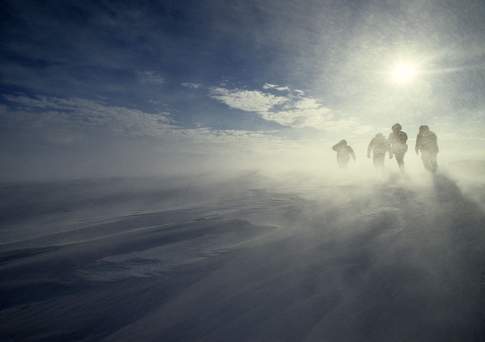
<point>436,142</point>
<point>418,144</point>
<point>351,150</point>
<point>370,147</point>
<point>389,140</point>
<point>337,146</point>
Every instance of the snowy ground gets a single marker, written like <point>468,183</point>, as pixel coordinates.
<point>249,258</point>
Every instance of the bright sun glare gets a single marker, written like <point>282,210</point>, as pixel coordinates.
<point>403,73</point>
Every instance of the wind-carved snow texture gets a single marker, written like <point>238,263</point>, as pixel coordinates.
<point>246,259</point>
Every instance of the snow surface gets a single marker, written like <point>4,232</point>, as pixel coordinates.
<point>247,258</point>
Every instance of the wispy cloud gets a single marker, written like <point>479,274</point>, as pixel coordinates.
<point>291,110</point>
<point>247,100</point>
<point>275,87</point>
<point>151,77</point>
<point>76,116</point>
<point>80,116</point>
<point>76,113</point>
<point>191,85</point>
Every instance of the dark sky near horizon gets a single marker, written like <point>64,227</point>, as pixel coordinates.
<point>145,67</point>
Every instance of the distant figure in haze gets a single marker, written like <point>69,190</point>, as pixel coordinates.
<point>398,147</point>
<point>427,144</point>
<point>378,146</point>
<point>344,152</point>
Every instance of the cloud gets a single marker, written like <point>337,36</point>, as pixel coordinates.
<point>70,118</point>
<point>247,100</point>
<point>267,86</point>
<point>77,117</point>
<point>76,113</point>
<point>282,88</point>
<point>291,110</point>
<point>191,85</point>
<point>150,77</point>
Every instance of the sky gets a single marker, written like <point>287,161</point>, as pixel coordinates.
<point>110,85</point>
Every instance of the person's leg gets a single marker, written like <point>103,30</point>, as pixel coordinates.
<point>342,161</point>
<point>378,160</point>
<point>400,160</point>
<point>433,162</point>
<point>429,161</point>
<point>425,159</point>
<point>379,163</point>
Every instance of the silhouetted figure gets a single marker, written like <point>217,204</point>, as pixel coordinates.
<point>427,144</point>
<point>398,147</point>
<point>344,152</point>
<point>378,147</point>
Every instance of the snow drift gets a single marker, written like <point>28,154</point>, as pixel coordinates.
<point>248,258</point>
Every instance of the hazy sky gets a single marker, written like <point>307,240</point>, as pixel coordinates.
<point>235,72</point>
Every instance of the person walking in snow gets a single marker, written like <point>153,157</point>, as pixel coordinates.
<point>398,146</point>
<point>427,145</point>
<point>344,153</point>
<point>378,147</point>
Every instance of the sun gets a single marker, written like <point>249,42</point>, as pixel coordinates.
<point>403,73</point>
